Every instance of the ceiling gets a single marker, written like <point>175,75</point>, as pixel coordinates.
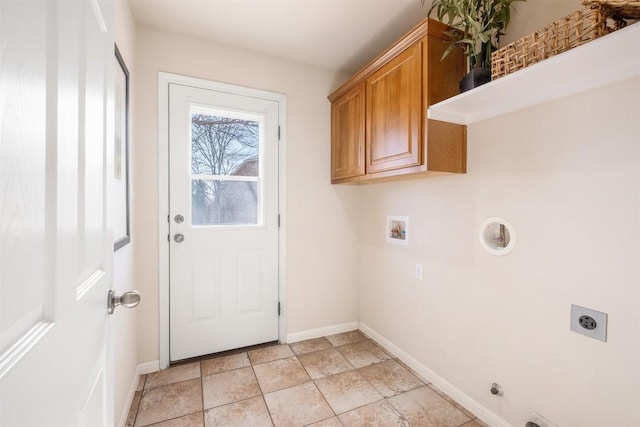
<point>335,34</point>
<point>339,35</point>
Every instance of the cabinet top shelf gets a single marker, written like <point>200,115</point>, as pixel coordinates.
<point>611,58</point>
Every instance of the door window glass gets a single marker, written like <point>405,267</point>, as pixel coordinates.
<point>225,168</point>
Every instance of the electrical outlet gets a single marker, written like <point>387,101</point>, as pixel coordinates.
<point>419,272</point>
<point>589,322</point>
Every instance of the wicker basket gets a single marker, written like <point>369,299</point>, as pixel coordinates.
<point>571,31</point>
<point>625,9</point>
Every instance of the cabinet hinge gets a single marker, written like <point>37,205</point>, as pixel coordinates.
<point>169,238</point>
<point>278,220</point>
<point>278,133</point>
<point>279,308</point>
<point>168,218</point>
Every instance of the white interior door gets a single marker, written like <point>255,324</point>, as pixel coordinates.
<point>56,61</point>
<point>223,219</point>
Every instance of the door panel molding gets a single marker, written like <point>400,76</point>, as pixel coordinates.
<point>164,80</point>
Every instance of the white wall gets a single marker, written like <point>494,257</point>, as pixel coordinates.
<point>566,175</point>
<point>322,244</point>
<point>124,321</point>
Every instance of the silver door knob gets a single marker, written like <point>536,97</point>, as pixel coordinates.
<point>178,218</point>
<point>128,300</point>
<point>179,238</point>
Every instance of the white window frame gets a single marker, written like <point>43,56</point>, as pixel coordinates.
<point>259,179</point>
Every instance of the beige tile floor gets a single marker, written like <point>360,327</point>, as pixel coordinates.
<point>339,380</point>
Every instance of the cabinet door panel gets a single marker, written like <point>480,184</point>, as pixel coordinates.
<point>394,113</point>
<point>347,135</point>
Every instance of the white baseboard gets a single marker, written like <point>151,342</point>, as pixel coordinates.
<point>148,367</point>
<point>321,332</point>
<point>430,376</point>
<point>141,369</point>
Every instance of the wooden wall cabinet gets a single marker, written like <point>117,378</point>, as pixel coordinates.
<point>379,127</point>
<point>347,134</point>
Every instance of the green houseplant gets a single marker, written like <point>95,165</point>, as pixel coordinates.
<point>477,28</point>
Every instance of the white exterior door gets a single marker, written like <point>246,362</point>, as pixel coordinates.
<point>223,168</point>
<point>56,120</point>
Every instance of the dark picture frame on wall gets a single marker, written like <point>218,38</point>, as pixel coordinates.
<point>121,230</point>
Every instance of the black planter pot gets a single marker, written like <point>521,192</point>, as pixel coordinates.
<point>476,77</point>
